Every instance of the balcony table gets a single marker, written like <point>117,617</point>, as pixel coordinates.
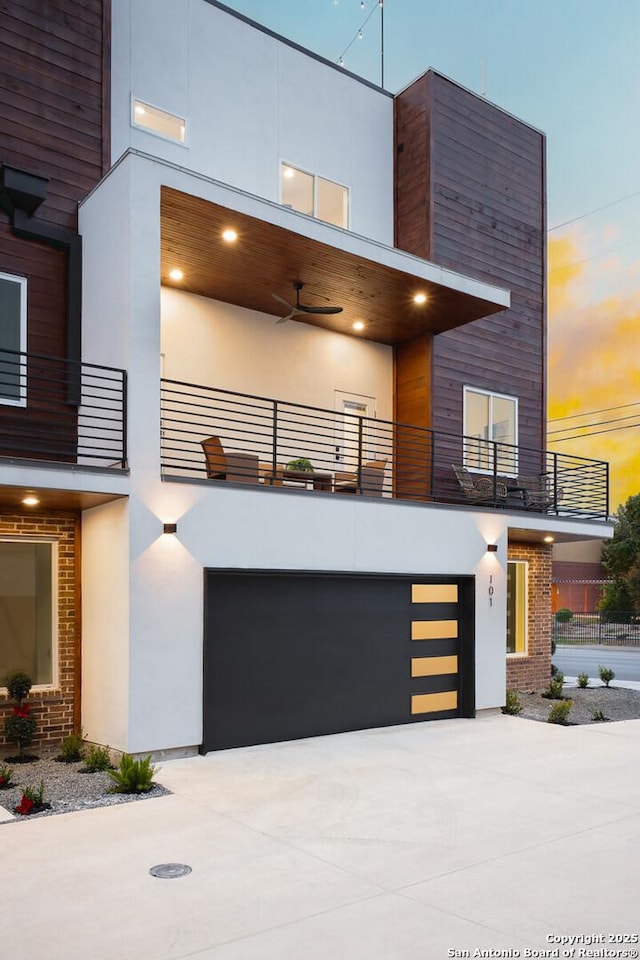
<point>319,480</point>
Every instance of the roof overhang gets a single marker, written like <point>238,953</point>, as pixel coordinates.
<point>277,247</point>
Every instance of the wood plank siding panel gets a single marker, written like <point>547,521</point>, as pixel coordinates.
<point>484,175</point>
<point>54,67</point>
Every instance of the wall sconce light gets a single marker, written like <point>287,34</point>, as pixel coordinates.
<point>169,527</point>
<point>492,548</point>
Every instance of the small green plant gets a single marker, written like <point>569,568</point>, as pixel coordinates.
<point>598,716</point>
<point>559,712</point>
<point>606,675</point>
<point>32,801</point>
<point>71,748</point>
<point>583,680</point>
<point>6,776</point>
<point>554,690</point>
<point>563,615</point>
<point>513,705</point>
<point>20,725</point>
<point>302,464</point>
<point>97,759</point>
<point>133,776</point>
<point>554,670</point>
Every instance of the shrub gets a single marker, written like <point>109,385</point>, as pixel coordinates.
<point>32,801</point>
<point>513,705</point>
<point>97,759</point>
<point>554,691</point>
<point>554,670</point>
<point>598,716</point>
<point>6,776</point>
<point>583,680</point>
<point>19,726</point>
<point>559,712</point>
<point>606,675</point>
<point>563,615</point>
<point>133,776</point>
<point>71,748</point>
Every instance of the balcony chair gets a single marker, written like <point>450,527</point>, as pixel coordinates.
<point>372,479</point>
<point>480,489</point>
<point>538,492</point>
<point>228,465</point>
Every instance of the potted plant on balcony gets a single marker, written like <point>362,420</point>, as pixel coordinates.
<point>301,464</point>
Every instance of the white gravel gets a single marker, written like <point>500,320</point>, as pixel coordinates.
<point>65,787</point>
<point>617,703</point>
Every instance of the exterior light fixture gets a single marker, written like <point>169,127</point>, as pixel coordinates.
<point>358,325</point>
<point>30,501</point>
<point>548,539</point>
<point>176,274</point>
<point>229,235</point>
<point>169,527</point>
<point>420,298</point>
<point>492,548</point>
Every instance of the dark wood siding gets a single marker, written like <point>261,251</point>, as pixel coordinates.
<point>52,64</point>
<point>482,213</point>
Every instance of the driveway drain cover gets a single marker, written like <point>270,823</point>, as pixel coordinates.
<point>167,871</point>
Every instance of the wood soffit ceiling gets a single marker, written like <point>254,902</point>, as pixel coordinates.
<point>267,259</point>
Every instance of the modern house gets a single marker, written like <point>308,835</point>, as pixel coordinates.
<point>233,513</point>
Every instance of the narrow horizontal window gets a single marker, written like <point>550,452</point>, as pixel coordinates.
<point>159,121</point>
<point>13,337</point>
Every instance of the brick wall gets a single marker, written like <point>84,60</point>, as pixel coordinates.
<point>56,711</point>
<point>531,671</point>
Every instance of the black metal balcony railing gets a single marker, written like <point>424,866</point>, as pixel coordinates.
<point>62,411</point>
<point>349,452</point>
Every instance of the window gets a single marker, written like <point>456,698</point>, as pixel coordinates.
<point>517,603</point>
<point>13,335</point>
<point>27,608</point>
<point>158,121</point>
<point>315,196</point>
<point>490,418</point>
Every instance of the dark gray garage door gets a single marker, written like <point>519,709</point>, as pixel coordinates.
<point>289,655</point>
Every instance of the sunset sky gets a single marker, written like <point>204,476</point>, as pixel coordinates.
<point>572,69</point>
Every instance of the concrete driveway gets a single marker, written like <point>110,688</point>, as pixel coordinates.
<point>405,843</point>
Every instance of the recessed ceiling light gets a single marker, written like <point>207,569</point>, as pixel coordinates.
<point>30,501</point>
<point>229,235</point>
<point>289,173</point>
<point>176,274</point>
<point>548,539</point>
<point>358,325</point>
<point>420,298</point>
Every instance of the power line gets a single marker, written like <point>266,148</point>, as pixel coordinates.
<point>588,413</point>
<point>596,256</point>
<point>591,212</point>
<point>596,423</point>
<point>595,433</point>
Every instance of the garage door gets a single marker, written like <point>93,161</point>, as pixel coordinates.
<point>290,655</point>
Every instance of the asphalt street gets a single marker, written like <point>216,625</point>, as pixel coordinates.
<point>572,660</point>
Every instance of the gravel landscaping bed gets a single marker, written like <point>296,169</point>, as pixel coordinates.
<point>66,788</point>
<point>617,703</point>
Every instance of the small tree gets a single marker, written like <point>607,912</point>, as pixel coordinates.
<point>20,725</point>
<point>621,560</point>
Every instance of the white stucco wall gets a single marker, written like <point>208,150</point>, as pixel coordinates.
<point>250,102</point>
<point>206,342</point>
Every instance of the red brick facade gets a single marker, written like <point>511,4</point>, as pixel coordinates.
<point>531,671</point>
<point>57,711</point>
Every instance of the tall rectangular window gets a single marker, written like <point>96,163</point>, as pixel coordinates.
<point>27,609</point>
<point>13,336</point>
<point>517,603</point>
<point>313,195</point>
<point>490,430</point>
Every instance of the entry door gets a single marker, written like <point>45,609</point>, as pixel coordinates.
<point>353,411</point>
<point>291,655</point>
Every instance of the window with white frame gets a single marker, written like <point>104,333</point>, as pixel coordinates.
<point>158,121</point>
<point>313,195</point>
<point>13,338</point>
<point>28,622</point>
<point>490,431</point>
<point>517,606</point>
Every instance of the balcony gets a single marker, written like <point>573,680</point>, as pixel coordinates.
<point>62,411</point>
<point>271,443</point>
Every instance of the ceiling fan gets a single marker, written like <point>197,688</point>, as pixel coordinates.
<point>301,308</point>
